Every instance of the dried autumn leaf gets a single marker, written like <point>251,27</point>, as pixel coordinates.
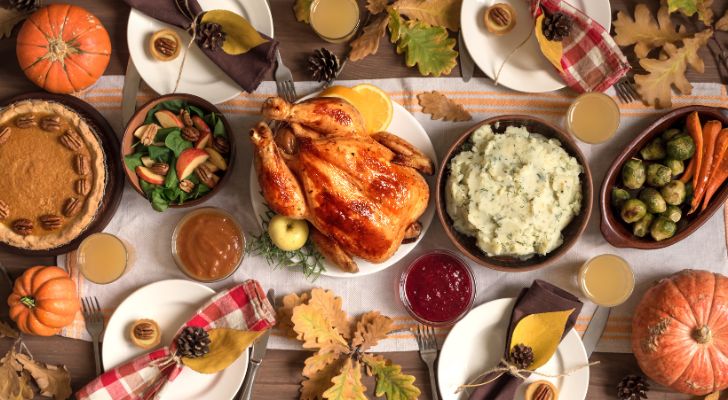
<point>368,42</point>
<point>226,345</point>
<point>391,382</point>
<point>285,312</point>
<point>542,333</point>
<point>318,362</point>
<point>9,17</point>
<point>428,47</point>
<point>314,387</point>
<point>14,383</point>
<point>722,23</point>
<point>347,385</point>
<point>376,6</point>
<point>6,331</point>
<point>644,31</point>
<point>713,396</point>
<point>302,9</point>
<point>53,381</point>
<point>371,328</point>
<point>330,306</point>
<point>553,50</point>
<point>655,86</point>
<point>433,12</point>
<point>316,331</point>
<point>440,106</point>
<point>240,36</point>
<point>690,7</point>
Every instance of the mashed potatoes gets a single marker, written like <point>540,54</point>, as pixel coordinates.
<point>514,192</point>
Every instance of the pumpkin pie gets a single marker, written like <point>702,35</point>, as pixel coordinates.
<point>54,174</point>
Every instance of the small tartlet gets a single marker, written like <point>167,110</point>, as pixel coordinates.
<point>541,390</point>
<point>145,333</point>
<point>165,45</point>
<point>500,18</point>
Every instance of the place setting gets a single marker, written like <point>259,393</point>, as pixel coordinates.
<point>307,199</point>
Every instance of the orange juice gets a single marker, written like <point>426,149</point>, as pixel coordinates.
<point>335,20</point>
<point>102,258</point>
<point>593,117</point>
<point>607,280</point>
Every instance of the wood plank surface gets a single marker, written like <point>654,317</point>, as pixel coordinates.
<point>280,374</point>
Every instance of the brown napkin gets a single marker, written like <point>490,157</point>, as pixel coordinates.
<point>247,69</point>
<point>539,298</point>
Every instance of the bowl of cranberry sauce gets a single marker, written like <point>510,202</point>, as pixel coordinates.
<point>438,288</point>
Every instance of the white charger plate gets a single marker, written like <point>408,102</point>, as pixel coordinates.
<point>527,70</point>
<point>475,344</point>
<point>170,303</point>
<point>408,128</point>
<point>200,76</point>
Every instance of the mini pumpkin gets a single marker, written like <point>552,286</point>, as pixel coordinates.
<point>680,332</point>
<point>63,48</point>
<point>43,301</point>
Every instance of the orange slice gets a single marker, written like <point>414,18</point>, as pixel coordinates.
<point>376,107</point>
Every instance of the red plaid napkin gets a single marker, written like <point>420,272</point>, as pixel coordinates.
<point>243,307</point>
<point>592,61</point>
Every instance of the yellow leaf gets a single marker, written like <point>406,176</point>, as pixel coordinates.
<point>314,387</point>
<point>713,396</point>
<point>53,381</point>
<point>551,49</point>
<point>285,312</point>
<point>445,13</point>
<point>329,305</point>
<point>441,107</point>
<point>391,382</point>
<point>371,328</point>
<point>240,36</point>
<point>318,362</point>
<point>368,42</point>
<point>644,31</point>
<point>226,345</point>
<point>347,385</point>
<point>302,9</point>
<point>376,6</point>
<point>316,331</point>
<point>542,333</point>
<point>722,23</point>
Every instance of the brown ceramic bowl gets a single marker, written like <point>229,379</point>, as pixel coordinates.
<point>138,119</point>
<point>616,231</point>
<point>571,233</point>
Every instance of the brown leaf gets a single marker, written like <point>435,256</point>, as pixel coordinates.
<point>371,328</point>
<point>53,381</point>
<point>314,387</point>
<point>14,383</point>
<point>444,13</point>
<point>329,305</point>
<point>440,107</point>
<point>368,42</point>
<point>376,6</point>
<point>9,17</point>
<point>347,385</point>
<point>285,312</point>
<point>644,31</point>
<point>722,23</point>
<point>7,331</point>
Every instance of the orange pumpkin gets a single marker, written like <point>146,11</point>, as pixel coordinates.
<point>680,332</point>
<point>43,301</point>
<point>63,48</point>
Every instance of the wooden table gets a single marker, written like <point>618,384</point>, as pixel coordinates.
<point>279,376</point>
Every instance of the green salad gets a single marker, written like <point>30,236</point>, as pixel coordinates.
<point>180,153</point>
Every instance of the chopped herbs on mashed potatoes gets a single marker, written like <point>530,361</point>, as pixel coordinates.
<point>514,192</point>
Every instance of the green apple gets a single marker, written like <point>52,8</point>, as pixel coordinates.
<point>287,233</point>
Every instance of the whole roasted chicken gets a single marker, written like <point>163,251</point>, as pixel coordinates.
<point>362,193</point>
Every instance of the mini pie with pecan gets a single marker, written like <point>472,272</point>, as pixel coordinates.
<point>54,174</point>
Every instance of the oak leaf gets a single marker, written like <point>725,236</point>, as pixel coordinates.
<point>376,6</point>
<point>316,331</point>
<point>428,47</point>
<point>655,86</point>
<point>440,106</point>
<point>722,23</point>
<point>302,9</point>
<point>53,381</point>
<point>371,328</point>
<point>391,382</point>
<point>368,42</point>
<point>444,13</point>
<point>7,331</point>
<point>318,362</point>
<point>285,312</point>
<point>330,306</point>
<point>347,385</point>
<point>314,387</point>
<point>690,7</point>
<point>644,31</point>
<point>713,396</point>
<point>14,383</point>
<point>9,17</point>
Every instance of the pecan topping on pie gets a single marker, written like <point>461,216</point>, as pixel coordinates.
<point>81,164</point>
<point>50,123</point>
<point>4,134</point>
<point>71,207</point>
<point>4,210</point>
<point>23,226</point>
<point>25,121</point>
<point>82,187</point>
<point>51,222</point>
<point>71,140</point>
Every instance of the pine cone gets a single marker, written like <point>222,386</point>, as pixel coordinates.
<point>324,65</point>
<point>25,5</point>
<point>193,342</point>
<point>556,26</point>
<point>632,387</point>
<point>521,356</point>
<point>210,35</point>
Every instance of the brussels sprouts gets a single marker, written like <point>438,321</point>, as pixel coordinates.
<point>674,193</point>
<point>673,213</point>
<point>680,148</point>
<point>655,150</point>
<point>633,210</point>
<point>677,166</point>
<point>670,133</point>
<point>633,174</point>
<point>653,200</point>
<point>662,229</point>
<point>658,175</point>
<point>619,196</point>
<point>641,227</point>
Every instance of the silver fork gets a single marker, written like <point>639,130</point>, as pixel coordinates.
<point>284,80</point>
<point>626,92</point>
<point>94,320</point>
<point>428,352</point>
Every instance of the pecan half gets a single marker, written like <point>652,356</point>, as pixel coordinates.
<point>82,164</point>
<point>72,207</point>
<point>147,133</point>
<point>51,222</point>
<point>5,134</point>
<point>83,186</point>
<point>186,185</point>
<point>4,210</point>
<point>543,392</point>
<point>207,176</point>
<point>165,46</point>
<point>160,168</point>
<point>186,118</point>
<point>144,331</point>
<point>50,123</point>
<point>190,133</point>
<point>25,121</point>
<point>221,144</point>
<point>23,226</point>
<point>72,140</point>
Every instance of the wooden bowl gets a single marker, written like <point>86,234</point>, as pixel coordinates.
<point>138,119</point>
<point>616,231</point>
<point>571,233</point>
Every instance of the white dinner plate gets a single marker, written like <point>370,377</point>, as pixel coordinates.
<point>476,343</point>
<point>407,127</point>
<point>201,76</point>
<point>170,303</point>
<point>527,70</point>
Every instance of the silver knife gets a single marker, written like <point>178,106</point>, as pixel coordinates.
<point>129,93</point>
<point>595,329</point>
<point>259,348</point>
<point>467,66</point>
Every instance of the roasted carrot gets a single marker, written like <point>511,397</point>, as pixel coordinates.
<point>719,158</point>
<point>696,132</point>
<point>689,171</point>
<point>711,129</point>
<point>719,176</point>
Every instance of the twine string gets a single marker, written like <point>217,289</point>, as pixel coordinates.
<point>508,57</point>
<point>186,11</point>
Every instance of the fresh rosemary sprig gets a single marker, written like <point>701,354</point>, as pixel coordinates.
<point>307,258</point>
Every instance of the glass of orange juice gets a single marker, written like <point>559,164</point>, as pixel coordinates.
<point>607,280</point>
<point>593,117</point>
<point>335,21</point>
<point>102,258</point>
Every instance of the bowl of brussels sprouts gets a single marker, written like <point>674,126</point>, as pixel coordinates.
<point>668,181</point>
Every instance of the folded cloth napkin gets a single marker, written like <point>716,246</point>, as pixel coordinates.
<point>247,69</point>
<point>541,297</point>
<point>591,61</point>
<point>243,307</point>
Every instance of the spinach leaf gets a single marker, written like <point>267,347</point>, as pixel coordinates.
<point>219,128</point>
<point>196,110</point>
<point>147,188</point>
<point>174,105</point>
<point>162,134</point>
<point>160,154</point>
<point>134,160</point>
<point>171,180</point>
<point>200,189</point>
<point>150,114</point>
<point>210,119</point>
<point>176,143</point>
<point>159,202</point>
